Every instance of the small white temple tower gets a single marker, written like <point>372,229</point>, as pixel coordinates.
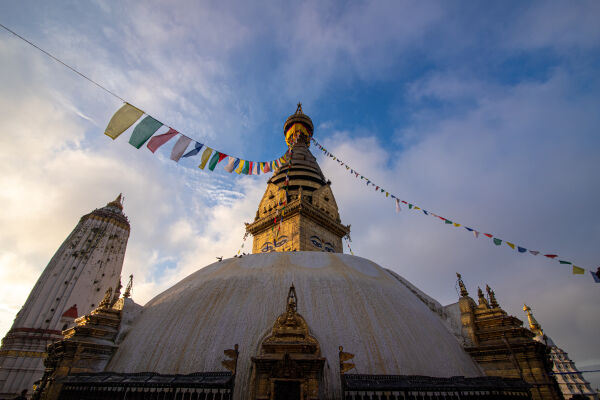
<point>87,263</point>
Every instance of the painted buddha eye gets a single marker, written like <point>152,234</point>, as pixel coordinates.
<point>281,242</point>
<point>267,247</point>
<point>329,248</point>
<point>316,242</point>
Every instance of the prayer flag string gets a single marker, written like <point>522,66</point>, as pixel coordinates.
<point>576,270</point>
<point>146,129</point>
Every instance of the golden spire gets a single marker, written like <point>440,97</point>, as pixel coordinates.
<point>463,289</point>
<point>127,293</point>
<point>534,326</point>
<point>492,296</point>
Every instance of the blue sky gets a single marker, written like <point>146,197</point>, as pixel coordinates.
<point>485,113</point>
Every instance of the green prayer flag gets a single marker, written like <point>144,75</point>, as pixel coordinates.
<point>214,161</point>
<point>410,206</point>
<point>143,131</point>
<point>246,168</point>
<point>123,119</point>
<point>497,241</point>
<point>447,221</point>
<point>564,262</point>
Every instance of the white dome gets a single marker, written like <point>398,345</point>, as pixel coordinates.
<point>345,300</point>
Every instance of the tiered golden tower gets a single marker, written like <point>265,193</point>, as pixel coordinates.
<point>298,211</point>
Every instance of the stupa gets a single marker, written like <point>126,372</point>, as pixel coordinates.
<point>297,319</point>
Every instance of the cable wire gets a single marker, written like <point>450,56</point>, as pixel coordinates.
<point>64,63</point>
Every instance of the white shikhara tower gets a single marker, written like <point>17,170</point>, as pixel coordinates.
<point>87,263</point>
<point>569,378</point>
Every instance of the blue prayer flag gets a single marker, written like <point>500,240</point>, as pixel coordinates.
<point>195,150</point>
<point>521,249</point>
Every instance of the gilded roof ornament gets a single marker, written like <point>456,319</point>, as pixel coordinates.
<point>482,299</point>
<point>301,118</point>
<point>463,289</point>
<point>291,300</point>
<point>534,326</point>
<point>107,300</point>
<point>492,297</point>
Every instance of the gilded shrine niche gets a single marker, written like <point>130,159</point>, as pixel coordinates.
<point>290,365</point>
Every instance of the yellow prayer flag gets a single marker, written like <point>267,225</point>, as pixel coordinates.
<point>238,170</point>
<point>418,208</point>
<point>578,271</point>
<point>205,157</point>
<point>387,194</point>
<point>454,223</point>
<point>122,120</point>
<point>512,246</point>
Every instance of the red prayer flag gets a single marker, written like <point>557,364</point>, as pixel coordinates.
<point>158,140</point>
<point>551,255</point>
<point>488,235</point>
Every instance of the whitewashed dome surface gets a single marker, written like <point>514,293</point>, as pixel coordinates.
<point>345,300</point>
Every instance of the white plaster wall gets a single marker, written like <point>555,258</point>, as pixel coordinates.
<point>346,300</point>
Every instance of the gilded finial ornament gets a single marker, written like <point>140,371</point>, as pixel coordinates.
<point>482,299</point>
<point>106,301</point>
<point>291,300</point>
<point>298,125</point>
<point>127,293</point>
<point>463,289</point>
<point>534,326</point>
<point>492,296</point>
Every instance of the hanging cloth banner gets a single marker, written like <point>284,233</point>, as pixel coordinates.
<point>205,157</point>
<point>122,120</point>
<point>231,162</point>
<point>216,158</point>
<point>194,151</point>
<point>240,167</point>
<point>578,271</point>
<point>411,206</point>
<point>179,148</point>
<point>159,140</point>
<point>143,131</point>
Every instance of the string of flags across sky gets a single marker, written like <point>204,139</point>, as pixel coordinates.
<point>146,129</point>
<point>411,206</point>
<point>145,132</point>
